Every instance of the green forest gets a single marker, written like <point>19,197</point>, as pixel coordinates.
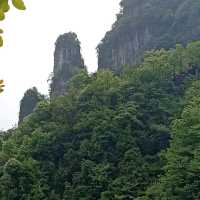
<point>134,135</point>
<point>130,131</point>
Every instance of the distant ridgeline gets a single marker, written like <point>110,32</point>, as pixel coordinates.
<point>148,24</point>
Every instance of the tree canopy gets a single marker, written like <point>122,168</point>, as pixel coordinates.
<point>128,136</point>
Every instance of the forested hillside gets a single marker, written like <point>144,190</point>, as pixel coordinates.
<point>134,135</point>
<point>181,178</point>
<point>130,135</point>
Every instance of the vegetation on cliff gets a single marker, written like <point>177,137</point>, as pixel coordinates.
<point>109,137</point>
<point>148,24</point>
<point>181,178</point>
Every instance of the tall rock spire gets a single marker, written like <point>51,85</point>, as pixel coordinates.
<point>67,62</point>
<point>29,102</point>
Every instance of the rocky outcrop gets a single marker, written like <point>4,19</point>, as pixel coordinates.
<point>28,103</point>
<point>148,24</point>
<point>67,62</point>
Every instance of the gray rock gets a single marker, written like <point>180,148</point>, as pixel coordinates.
<point>67,62</point>
<point>28,103</point>
<point>148,24</point>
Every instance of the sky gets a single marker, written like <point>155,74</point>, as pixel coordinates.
<point>26,60</point>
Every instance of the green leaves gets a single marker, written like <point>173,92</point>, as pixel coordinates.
<point>19,4</point>
<point>1,41</point>
<point>5,7</point>
<point>182,158</point>
<point>2,15</point>
<point>1,86</point>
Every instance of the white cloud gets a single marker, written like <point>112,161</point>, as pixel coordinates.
<point>27,56</point>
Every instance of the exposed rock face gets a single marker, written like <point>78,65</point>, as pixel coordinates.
<point>148,24</point>
<point>31,98</point>
<point>67,62</point>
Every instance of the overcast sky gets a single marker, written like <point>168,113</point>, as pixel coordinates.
<point>26,60</point>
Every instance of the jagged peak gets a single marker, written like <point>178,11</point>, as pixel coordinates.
<point>28,103</point>
<point>67,62</point>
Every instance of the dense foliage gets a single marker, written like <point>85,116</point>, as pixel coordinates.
<point>181,179</point>
<point>108,138</point>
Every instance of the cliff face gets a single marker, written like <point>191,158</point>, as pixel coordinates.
<point>67,62</point>
<point>31,98</point>
<point>146,24</point>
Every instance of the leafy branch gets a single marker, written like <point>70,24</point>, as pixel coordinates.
<point>5,7</point>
